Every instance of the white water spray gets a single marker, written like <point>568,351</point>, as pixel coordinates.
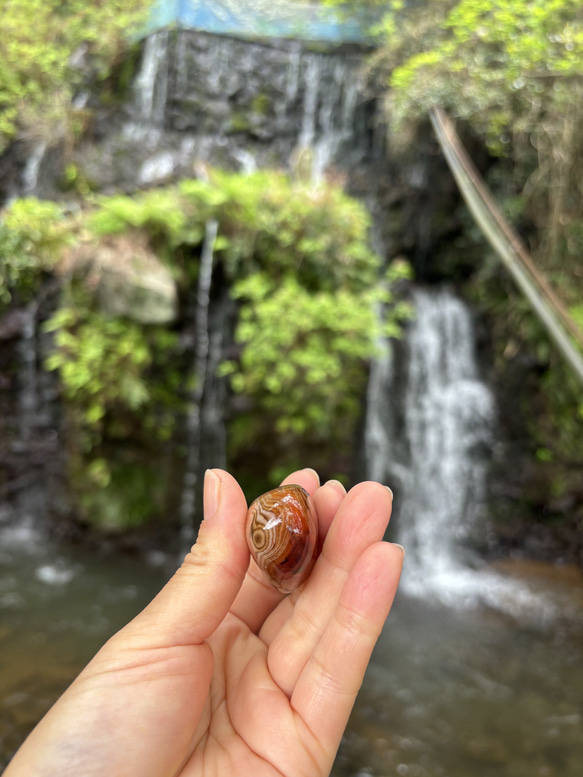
<point>429,435</point>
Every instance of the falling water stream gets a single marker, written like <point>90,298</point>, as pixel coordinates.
<point>430,432</point>
<point>193,422</point>
<point>479,670</point>
<point>28,372</point>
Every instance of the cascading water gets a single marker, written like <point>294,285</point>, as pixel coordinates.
<point>28,373</point>
<point>193,420</point>
<point>31,170</point>
<point>429,434</point>
<point>206,98</point>
<point>328,114</point>
<point>432,441</point>
<point>151,84</point>
<point>448,414</point>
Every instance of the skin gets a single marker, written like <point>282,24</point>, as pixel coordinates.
<point>221,674</point>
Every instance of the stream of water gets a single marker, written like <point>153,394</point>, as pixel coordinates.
<point>450,691</point>
<point>471,692</point>
<point>58,605</point>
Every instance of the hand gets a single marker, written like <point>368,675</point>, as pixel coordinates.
<point>221,674</point>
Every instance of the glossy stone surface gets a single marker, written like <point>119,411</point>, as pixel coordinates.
<point>282,534</point>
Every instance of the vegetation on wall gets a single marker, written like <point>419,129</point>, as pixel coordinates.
<point>514,73</point>
<point>298,265</point>
<point>32,234</point>
<point>47,50</point>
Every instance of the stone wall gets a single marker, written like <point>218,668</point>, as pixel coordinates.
<point>200,98</point>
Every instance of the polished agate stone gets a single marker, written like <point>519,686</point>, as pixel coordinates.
<point>282,534</point>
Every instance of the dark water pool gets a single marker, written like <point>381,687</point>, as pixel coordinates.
<point>453,691</point>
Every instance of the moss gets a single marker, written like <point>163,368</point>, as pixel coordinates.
<point>121,492</point>
<point>239,122</point>
<point>261,104</point>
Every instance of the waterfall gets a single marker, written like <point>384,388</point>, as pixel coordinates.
<point>28,373</point>
<point>432,437</point>
<point>151,84</point>
<point>429,434</point>
<point>331,87</point>
<point>31,170</point>
<point>145,127</point>
<point>201,364</point>
<point>228,102</point>
<point>448,413</point>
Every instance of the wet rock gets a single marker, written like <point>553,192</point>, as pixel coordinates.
<point>12,324</point>
<point>127,279</point>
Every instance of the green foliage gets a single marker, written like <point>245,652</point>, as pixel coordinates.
<point>503,67</point>
<point>303,356</point>
<point>32,232</point>
<point>305,281</point>
<point>268,222</point>
<point>107,368</point>
<point>304,362</point>
<point>159,212</point>
<point>101,362</point>
<point>40,44</point>
<point>118,385</point>
<point>514,72</point>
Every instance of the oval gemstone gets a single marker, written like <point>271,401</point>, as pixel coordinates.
<point>282,534</point>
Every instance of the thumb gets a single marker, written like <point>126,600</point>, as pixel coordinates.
<point>197,598</point>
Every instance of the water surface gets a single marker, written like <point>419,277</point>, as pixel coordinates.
<point>452,691</point>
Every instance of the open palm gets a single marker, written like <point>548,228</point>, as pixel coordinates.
<point>221,674</point>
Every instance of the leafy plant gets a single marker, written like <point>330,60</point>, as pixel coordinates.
<point>268,222</point>
<point>45,50</point>
<point>306,285</point>
<point>305,355</point>
<point>101,363</point>
<point>32,233</point>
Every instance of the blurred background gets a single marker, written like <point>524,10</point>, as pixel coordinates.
<point>267,235</point>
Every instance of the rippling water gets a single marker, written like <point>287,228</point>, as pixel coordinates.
<point>471,690</point>
<point>452,690</point>
<point>57,607</point>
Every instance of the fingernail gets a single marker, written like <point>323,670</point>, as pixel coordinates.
<point>309,469</point>
<point>212,486</point>
<point>401,548</point>
<point>335,483</point>
<point>390,491</point>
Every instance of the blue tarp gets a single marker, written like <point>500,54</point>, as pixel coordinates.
<point>260,19</point>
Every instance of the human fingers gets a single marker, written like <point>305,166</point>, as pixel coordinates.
<point>197,598</point>
<point>326,689</point>
<point>257,598</point>
<point>327,500</point>
<point>118,706</point>
<point>361,521</point>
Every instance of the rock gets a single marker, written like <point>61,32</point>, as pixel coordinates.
<point>12,324</point>
<point>127,279</point>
